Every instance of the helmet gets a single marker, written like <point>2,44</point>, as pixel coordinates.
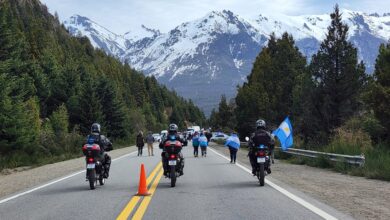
<point>260,123</point>
<point>95,128</point>
<point>173,128</point>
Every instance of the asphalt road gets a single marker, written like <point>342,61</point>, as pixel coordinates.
<point>211,188</point>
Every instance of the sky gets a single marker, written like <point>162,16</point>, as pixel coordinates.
<point>120,16</point>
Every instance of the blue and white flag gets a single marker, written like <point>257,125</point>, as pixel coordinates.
<point>233,141</point>
<point>285,134</point>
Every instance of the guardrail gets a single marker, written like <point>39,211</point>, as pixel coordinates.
<point>350,159</point>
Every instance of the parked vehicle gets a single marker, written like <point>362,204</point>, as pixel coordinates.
<point>219,136</point>
<point>94,165</point>
<point>191,130</point>
<point>175,160</point>
<point>157,137</point>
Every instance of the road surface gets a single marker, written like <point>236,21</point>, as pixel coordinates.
<point>211,188</point>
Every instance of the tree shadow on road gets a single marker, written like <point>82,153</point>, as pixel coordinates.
<point>237,185</point>
<point>66,190</point>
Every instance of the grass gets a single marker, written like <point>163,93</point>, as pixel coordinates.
<point>377,157</point>
<point>44,156</point>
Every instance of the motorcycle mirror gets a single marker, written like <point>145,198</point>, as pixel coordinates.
<point>247,138</point>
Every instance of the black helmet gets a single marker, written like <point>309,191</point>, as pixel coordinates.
<point>95,128</point>
<point>173,128</point>
<point>260,124</point>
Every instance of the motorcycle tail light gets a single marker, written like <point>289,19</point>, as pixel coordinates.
<point>172,156</point>
<point>90,160</point>
<point>261,153</point>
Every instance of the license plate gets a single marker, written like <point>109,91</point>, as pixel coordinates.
<point>172,162</point>
<point>261,160</point>
<point>91,166</point>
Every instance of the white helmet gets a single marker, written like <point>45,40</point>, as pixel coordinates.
<point>260,123</point>
<point>173,128</point>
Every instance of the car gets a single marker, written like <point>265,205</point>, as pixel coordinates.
<point>157,137</point>
<point>219,137</point>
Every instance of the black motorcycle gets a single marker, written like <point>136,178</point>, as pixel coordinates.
<point>94,165</point>
<point>175,161</point>
<point>262,163</point>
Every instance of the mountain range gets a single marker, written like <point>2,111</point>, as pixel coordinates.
<point>207,57</point>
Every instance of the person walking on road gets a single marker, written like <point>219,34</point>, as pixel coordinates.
<point>140,142</point>
<point>233,143</point>
<point>203,144</point>
<point>150,140</point>
<point>195,143</point>
<point>208,135</point>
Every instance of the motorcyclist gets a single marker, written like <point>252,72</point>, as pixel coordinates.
<point>172,135</point>
<point>105,145</point>
<point>260,137</point>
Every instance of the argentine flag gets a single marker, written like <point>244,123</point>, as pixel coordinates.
<point>284,134</point>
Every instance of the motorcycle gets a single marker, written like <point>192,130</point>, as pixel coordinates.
<point>262,163</point>
<point>175,160</point>
<point>94,165</point>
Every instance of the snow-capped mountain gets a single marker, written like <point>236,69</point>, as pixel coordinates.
<point>208,57</point>
<point>366,31</point>
<point>99,36</point>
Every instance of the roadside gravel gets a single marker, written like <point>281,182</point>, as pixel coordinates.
<point>357,196</point>
<point>22,178</point>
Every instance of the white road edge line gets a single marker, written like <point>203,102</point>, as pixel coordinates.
<point>297,199</point>
<point>56,181</point>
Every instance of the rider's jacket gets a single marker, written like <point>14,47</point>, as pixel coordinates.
<point>262,137</point>
<point>101,140</point>
<point>170,137</point>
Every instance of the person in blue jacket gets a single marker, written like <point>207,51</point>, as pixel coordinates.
<point>233,143</point>
<point>203,144</point>
<point>195,143</point>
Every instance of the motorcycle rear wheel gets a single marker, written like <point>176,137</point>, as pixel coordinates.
<point>92,179</point>
<point>173,176</point>
<point>261,174</point>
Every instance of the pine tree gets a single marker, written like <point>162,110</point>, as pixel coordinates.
<point>46,73</point>
<point>59,121</point>
<point>379,94</point>
<point>269,92</point>
<point>90,107</point>
<point>338,77</point>
<point>112,109</point>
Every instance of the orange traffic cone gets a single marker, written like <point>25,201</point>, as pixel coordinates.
<point>142,188</point>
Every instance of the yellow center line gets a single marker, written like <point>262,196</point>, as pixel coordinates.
<point>134,201</point>
<point>145,202</point>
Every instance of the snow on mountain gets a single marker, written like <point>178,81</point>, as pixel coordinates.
<point>99,36</point>
<point>139,33</point>
<point>186,41</point>
<point>204,56</point>
<point>366,31</point>
<point>305,26</point>
<point>208,57</point>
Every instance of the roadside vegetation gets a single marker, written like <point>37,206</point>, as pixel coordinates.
<point>54,86</point>
<point>334,105</point>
